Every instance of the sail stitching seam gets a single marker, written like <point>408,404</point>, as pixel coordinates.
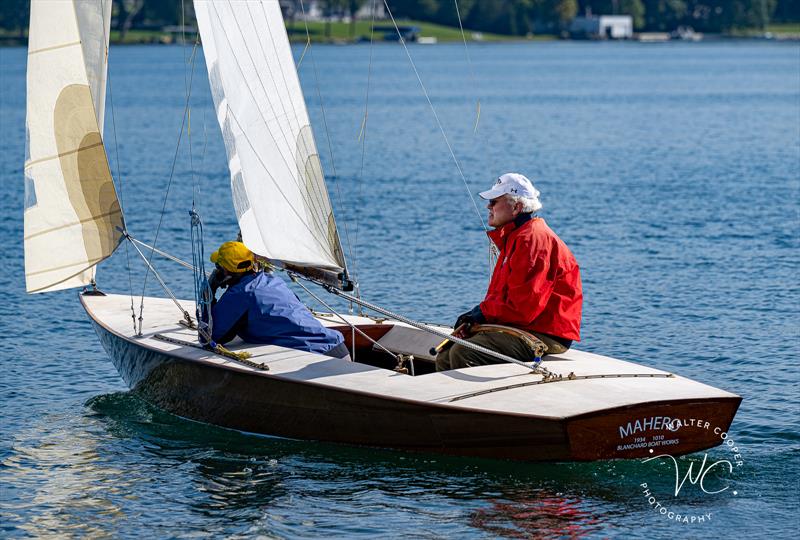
<point>230,111</point>
<point>283,75</point>
<point>315,209</point>
<point>54,268</point>
<point>62,154</point>
<point>54,47</point>
<point>93,217</point>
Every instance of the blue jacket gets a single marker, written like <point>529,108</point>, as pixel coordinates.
<point>262,309</point>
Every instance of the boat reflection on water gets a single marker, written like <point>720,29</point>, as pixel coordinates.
<point>96,473</point>
<point>543,514</point>
<point>286,487</point>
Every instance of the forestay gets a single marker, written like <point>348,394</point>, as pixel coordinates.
<point>72,214</point>
<point>277,183</point>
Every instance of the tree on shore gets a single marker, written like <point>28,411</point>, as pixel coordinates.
<point>14,16</point>
<point>513,17</point>
<point>127,10</point>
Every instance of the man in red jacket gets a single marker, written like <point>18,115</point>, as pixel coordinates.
<point>535,287</point>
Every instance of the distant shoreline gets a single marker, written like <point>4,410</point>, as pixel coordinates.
<point>714,38</point>
<point>344,34</point>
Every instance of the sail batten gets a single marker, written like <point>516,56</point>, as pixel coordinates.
<point>72,215</point>
<point>277,183</point>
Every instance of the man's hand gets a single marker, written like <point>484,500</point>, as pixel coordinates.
<point>465,320</point>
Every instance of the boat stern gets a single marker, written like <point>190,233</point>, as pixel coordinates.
<point>667,427</point>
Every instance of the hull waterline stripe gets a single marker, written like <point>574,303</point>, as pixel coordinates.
<point>54,47</point>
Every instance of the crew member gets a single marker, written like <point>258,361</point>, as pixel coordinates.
<point>535,286</point>
<point>259,307</point>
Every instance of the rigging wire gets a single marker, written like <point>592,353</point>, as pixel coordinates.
<point>203,295</point>
<point>535,366</point>
<point>341,318</point>
<point>169,184</point>
<point>362,137</point>
<point>121,197</point>
<point>493,251</point>
<point>435,115</point>
<point>330,147</point>
<point>186,78</point>
<point>166,289</point>
<point>164,254</point>
<point>471,71</point>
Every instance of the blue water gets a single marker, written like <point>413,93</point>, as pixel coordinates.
<point>672,170</point>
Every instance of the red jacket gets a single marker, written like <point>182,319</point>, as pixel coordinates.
<point>536,284</point>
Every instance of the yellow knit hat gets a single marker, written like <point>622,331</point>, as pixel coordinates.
<point>234,257</point>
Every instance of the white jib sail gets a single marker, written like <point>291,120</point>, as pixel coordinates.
<point>277,184</point>
<point>72,215</point>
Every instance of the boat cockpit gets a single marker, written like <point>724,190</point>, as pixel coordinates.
<point>390,345</point>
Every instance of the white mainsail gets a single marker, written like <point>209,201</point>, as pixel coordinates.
<point>277,183</point>
<point>72,214</point>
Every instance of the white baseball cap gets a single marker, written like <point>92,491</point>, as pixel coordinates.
<point>511,184</point>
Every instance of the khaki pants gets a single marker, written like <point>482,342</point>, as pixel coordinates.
<point>458,356</point>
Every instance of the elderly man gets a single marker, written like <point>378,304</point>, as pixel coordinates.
<point>535,287</point>
<point>259,307</point>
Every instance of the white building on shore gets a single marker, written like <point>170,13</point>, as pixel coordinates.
<point>602,27</point>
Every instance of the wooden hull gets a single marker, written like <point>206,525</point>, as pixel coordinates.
<point>276,405</point>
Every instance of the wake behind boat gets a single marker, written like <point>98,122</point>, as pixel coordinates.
<point>572,406</point>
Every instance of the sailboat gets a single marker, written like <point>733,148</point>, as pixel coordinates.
<point>572,406</point>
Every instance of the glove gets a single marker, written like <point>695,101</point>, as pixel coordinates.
<point>473,316</point>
